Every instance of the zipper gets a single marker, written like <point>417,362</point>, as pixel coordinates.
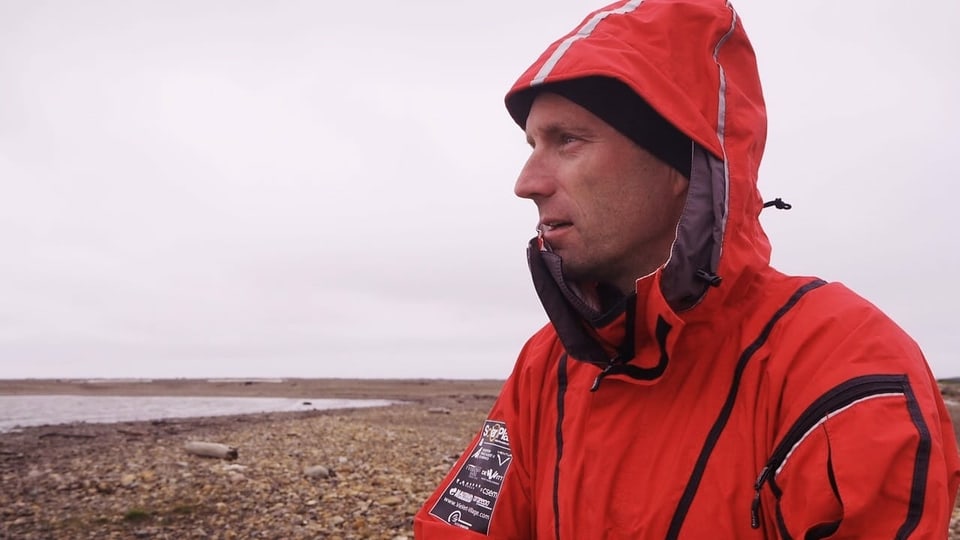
<point>843,395</point>
<point>610,369</point>
<point>619,364</point>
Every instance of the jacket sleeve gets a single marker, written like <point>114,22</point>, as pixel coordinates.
<point>486,495</point>
<point>866,447</point>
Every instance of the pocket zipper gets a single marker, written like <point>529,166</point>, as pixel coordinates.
<point>842,395</point>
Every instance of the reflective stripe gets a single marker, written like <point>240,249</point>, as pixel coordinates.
<point>722,106</point>
<point>824,419</point>
<point>581,33</point>
<point>722,121</point>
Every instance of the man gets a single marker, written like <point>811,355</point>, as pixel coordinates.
<point>684,388</point>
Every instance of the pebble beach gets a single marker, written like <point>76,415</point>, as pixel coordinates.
<point>337,474</point>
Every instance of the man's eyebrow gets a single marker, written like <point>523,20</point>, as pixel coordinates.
<point>557,128</point>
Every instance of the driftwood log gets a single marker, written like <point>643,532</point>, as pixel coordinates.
<point>66,435</point>
<point>211,450</point>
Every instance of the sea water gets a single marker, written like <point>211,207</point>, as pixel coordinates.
<point>24,411</point>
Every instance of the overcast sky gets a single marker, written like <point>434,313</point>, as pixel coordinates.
<point>319,189</point>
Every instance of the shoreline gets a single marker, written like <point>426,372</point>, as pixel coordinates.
<point>20,411</point>
<point>256,387</point>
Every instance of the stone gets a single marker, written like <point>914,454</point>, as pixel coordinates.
<point>318,471</point>
<point>128,480</point>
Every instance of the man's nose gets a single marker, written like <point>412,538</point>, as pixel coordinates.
<point>535,180</point>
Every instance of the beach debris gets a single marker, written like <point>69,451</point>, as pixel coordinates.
<point>66,435</point>
<point>128,480</point>
<point>235,476</point>
<point>318,471</point>
<point>211,450</point>
<point>103,488</point>
<point>438,410</point>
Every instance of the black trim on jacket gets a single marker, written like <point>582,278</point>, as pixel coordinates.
<point>619,366</point>
<point>838,397</point>
<point>683,506</point>
<point>920,466</point>
<point>561,393</point>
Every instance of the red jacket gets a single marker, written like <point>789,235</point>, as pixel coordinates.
<point>724,399</point>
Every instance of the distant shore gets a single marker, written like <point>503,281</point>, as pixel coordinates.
<point>416,389</point>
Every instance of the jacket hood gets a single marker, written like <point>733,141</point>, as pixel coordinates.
<point>692,62</point>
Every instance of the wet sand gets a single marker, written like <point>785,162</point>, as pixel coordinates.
<point>337,474</point>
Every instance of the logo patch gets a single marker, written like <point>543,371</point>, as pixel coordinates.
<point>467,502</point>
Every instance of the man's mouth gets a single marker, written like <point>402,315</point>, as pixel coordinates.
<point>554,225</point>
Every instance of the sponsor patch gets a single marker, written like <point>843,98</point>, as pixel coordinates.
<point>469,499</point>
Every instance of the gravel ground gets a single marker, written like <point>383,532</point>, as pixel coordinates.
<point>348,474</point>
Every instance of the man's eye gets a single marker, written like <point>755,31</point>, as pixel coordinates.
<point>567,139</point>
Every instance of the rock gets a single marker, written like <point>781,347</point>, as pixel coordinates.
<point>337,520</point>
<point>128,480</point>
<point>211,450</point>
<point>438,410</point>
<point>103,487</point>
<point>318,471</point>
<point>391,500</point>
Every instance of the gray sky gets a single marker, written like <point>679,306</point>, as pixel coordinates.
<point>297,188</point>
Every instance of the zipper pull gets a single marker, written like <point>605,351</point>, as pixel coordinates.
<point>606,371</point>
<point>755,506</point>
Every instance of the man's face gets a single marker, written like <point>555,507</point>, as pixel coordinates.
<point>607,207</point>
